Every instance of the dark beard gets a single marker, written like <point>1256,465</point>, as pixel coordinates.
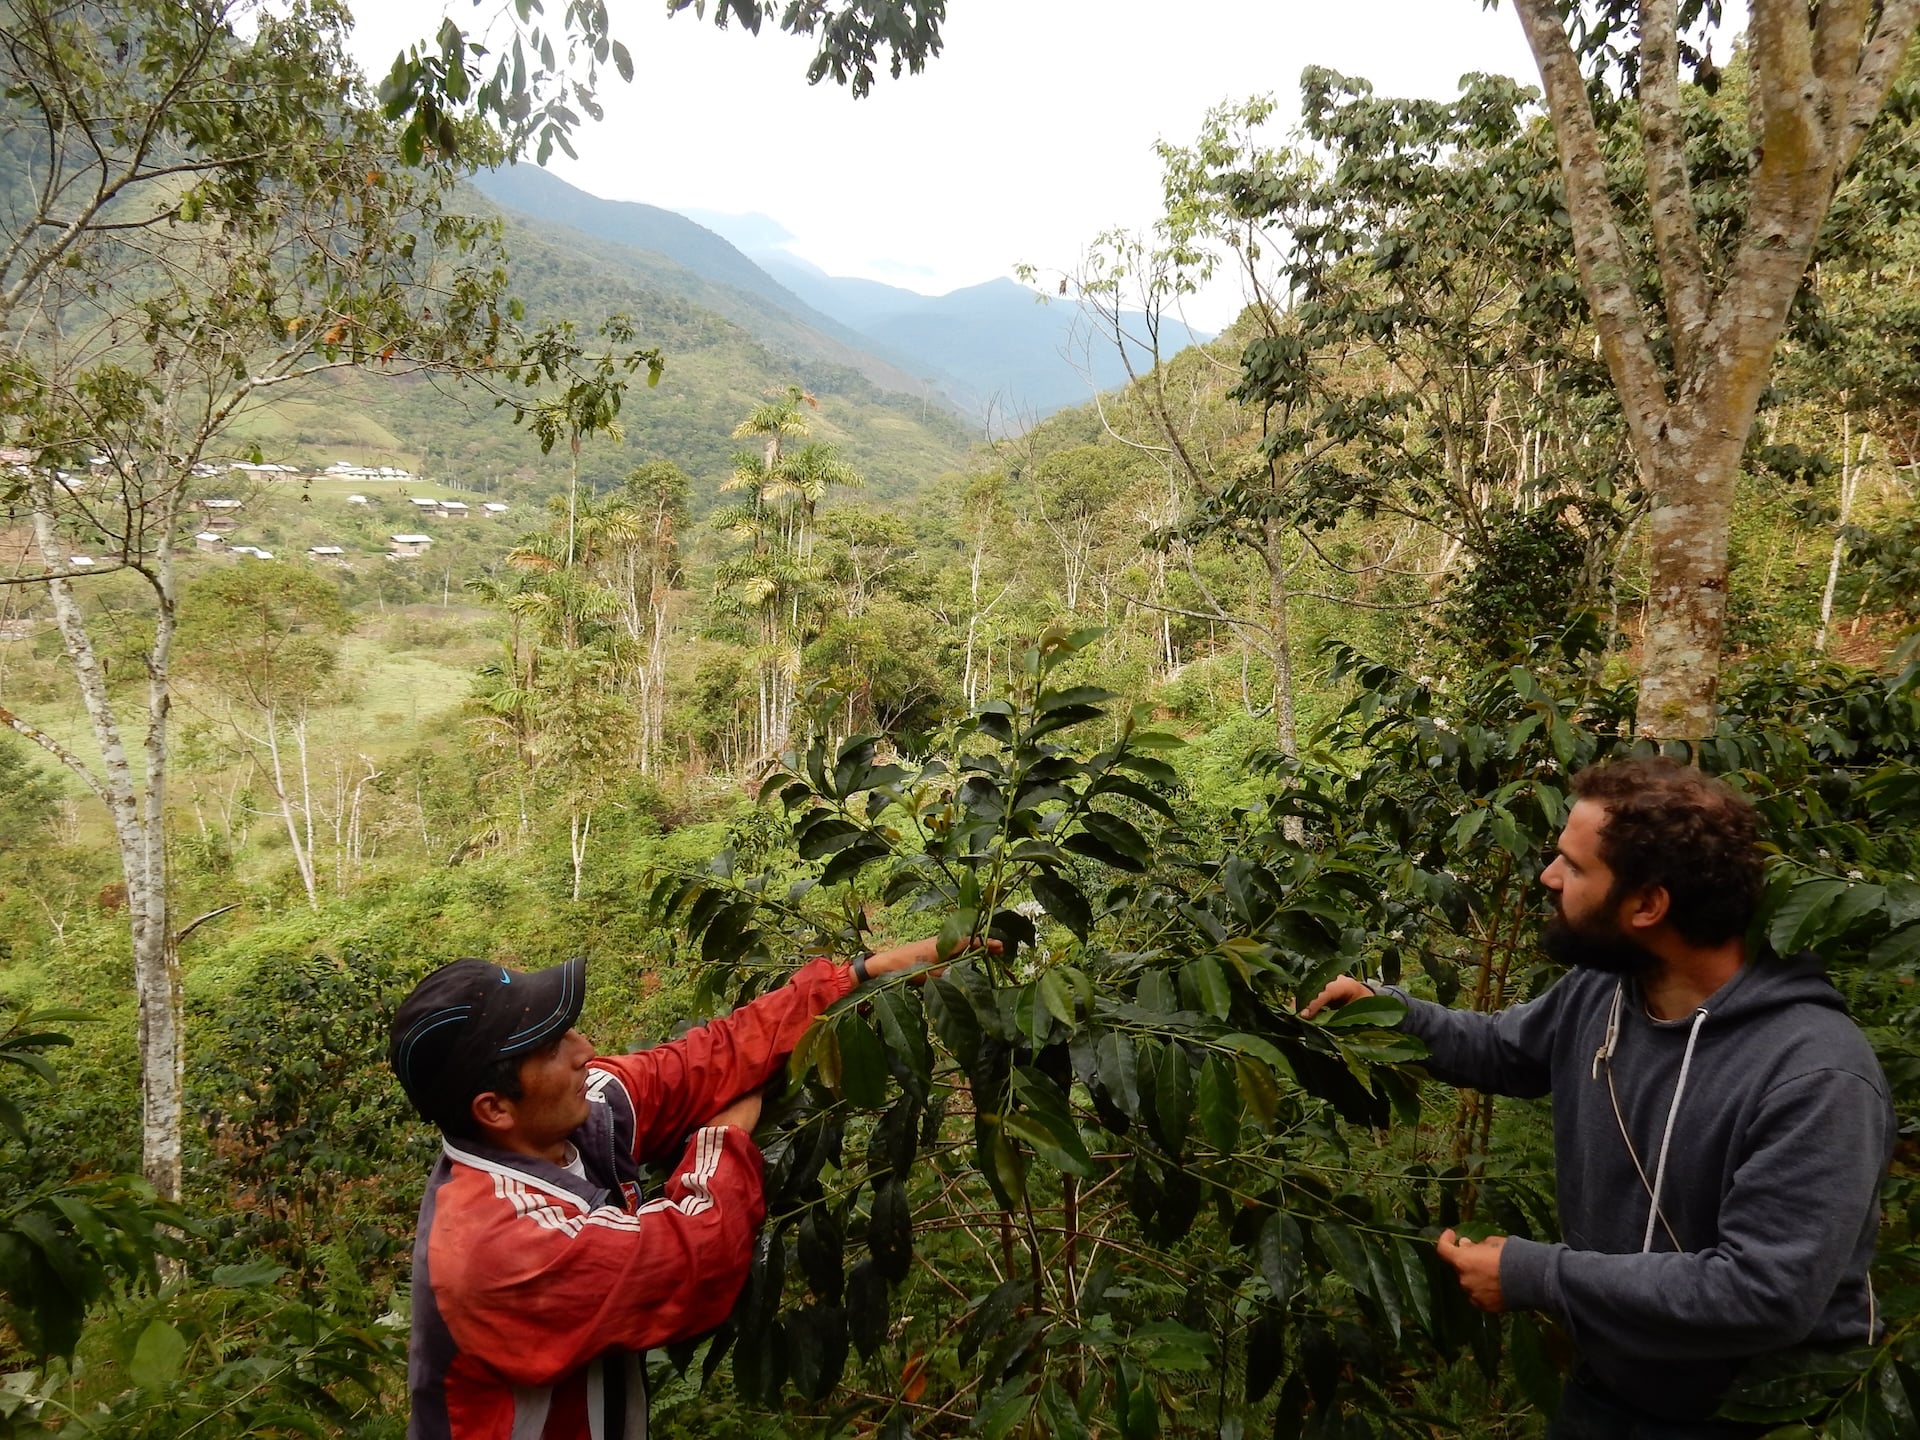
<point>1596,947</point>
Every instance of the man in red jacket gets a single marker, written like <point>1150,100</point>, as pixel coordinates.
<point>539,1275</point>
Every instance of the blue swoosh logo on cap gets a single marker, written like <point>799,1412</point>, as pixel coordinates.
<point>515,1042</point>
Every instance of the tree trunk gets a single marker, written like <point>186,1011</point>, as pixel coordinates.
<point>1850,464</point>
<point>654,722</point>
<point>306,809</point>
<point>1819,78</point>
<point>138,817</point>
<point>1689,531</point>
<point>1280,640</point>
<point>1280,650</point>
<point>578,826</point>
<point>968,686</point>
<point>302,850</point>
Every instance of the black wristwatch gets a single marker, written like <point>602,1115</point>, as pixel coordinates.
<point>860,976</point>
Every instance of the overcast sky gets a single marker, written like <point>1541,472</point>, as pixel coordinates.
<point>1032,132</point>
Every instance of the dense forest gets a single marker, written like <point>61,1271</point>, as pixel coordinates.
<point>1270,666</point>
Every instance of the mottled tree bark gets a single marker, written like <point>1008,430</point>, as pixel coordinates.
<point>1820,77</point>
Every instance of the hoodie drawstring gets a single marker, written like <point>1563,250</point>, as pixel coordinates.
<point>1604,1057</point>
<point>1666,1139</point>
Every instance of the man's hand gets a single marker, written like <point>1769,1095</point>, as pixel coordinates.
<point>1477,1263</point>
<point>744,1112</point>
<point>1338,993</point>
<point>918,953</point>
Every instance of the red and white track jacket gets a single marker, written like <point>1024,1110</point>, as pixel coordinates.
<point>535,1292</point>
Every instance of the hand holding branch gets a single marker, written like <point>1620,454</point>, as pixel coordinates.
<point>919,953</point>
<point>1477,1263</point>
<point>1338,992</point>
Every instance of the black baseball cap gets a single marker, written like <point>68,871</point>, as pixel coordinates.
<point>466,1015</point>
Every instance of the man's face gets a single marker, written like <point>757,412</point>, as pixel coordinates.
<point>553,1091</point>
<point>1586,929</point>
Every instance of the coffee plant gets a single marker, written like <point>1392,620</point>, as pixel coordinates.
<point>1116,1158</point>
<point>1105,1180</point>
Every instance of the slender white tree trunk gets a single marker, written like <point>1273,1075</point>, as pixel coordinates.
<point>355,847</point>
<point>1280,649</point>
<point>1850,466</point>
<point>578,826</point>
<point>302,853</point>
<point>654,718</point>
<point>969,686</point>
<point>137,814</point>
<point>306,808</point>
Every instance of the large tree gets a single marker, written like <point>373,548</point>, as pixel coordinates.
<point>1690,352</point>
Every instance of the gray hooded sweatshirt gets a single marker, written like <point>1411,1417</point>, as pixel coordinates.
<point>1764,1123</point>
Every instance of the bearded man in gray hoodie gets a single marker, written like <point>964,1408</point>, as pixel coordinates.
<point>1720,1125</point>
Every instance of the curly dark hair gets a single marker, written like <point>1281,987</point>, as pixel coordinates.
<point>1670,825</point>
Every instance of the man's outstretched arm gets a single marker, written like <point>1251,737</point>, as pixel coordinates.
<point>674,1085</point>
<point>1505,1052</point>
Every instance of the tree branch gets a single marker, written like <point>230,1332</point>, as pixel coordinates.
<point>54,748</point>
<point>199,920</point>
<point>1604,271</point>
<point>86,574</point>
<point>1219,616</point>
<point>1377,566</point>
<point>1879,63</point>
<point>1839,28</point>
<point>1367,604</point>
<point>1788,198</point>
<point>1676,235</point>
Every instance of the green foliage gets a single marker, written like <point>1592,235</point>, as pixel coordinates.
<point>1533,577</point>
<point>228,1356</point>
<point>268,634</point>
<point>527,83</point>
<point>1452,798</point>
<point>1134,1031</point>
<point>1888,557</point>
<point>27,798</point>
<point>1435,296</point>
<point>300,1112</point>
<point>1142,1043</point>
<point>65,1245</point>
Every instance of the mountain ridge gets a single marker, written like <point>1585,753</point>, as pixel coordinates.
<point>993,347</point>
<point>747,295</point>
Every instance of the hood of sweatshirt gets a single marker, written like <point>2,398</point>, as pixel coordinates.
<point>1771,983</point>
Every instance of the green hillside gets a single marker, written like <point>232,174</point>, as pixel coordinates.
<point>716,371</point>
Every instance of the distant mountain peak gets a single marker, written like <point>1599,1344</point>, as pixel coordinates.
<point>988,343</point>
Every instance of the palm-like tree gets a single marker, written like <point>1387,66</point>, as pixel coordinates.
<point>806,477</point>
<point>776,418</point>
<point>775,584</point>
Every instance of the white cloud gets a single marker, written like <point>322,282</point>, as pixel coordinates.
<point>898,268</point>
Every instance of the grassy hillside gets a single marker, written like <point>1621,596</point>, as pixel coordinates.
<point>717,370</point>
<point>684,258</point>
